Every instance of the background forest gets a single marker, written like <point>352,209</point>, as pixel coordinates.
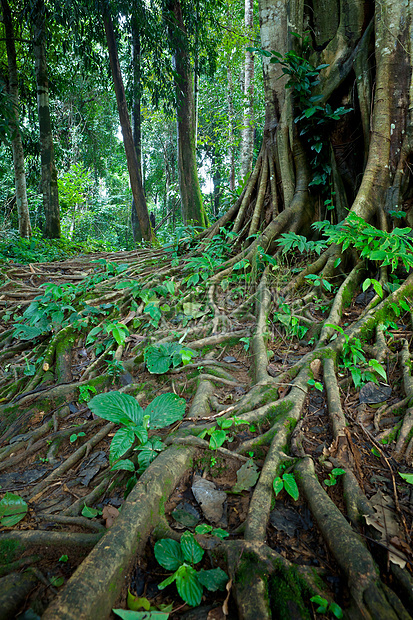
<point>93,190</point>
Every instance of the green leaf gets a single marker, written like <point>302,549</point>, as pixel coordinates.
<point>167,582</point>
<point>123,440</point>
<point>191,549</point>
<point>188,586</point>
<point>278,485</point>
<point>124,464</point>
<point>247,476</point>
<point>116,407</point>
<point>13,509</point>
<point>89,513</point>
<point>203,528</point>
<point>322,602</point>
<point>218,437</point>
<point>378,368</point>
<point>213,579</point>
<point>165,409</point>
<point>407,477</point>
<point>135,602</point>
<point>168,553</point>
<point>158,357</point>
<point>290,485</point>
<point>220,533</point>
<point>335,610</point>
<point>57,582</point>
<point>337,471</point>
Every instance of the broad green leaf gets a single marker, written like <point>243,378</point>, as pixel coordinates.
<point>213,579</point>
<point>337,471</point>
<point>121,442</point>
<point>13,509</point>
<point>290,485</point>
<point>89,513</point>
<point>57,582</point>
<point>378,368</point>
<point>135,602</point>
<point>191,549</point>
<point>145,458</point>
<point>158,358</point>
<point>168,553</point>
<point>218,437</point>
<point>167,582</point>
<point>322,602</point>
<point>188,586</point>
<point>220,533</point>
<point>278,485</point>
<point>116,407</point>
<point>336,610</point>
<point>124,464</point>
<point>165,409</point>
<point>247,476</point>
<point>407,477</point>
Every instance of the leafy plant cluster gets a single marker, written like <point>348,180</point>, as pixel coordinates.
<point>136,424</point>
<point>160,357</point>
<point>313,118</point>
<point>181,558</point>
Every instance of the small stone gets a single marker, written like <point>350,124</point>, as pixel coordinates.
<point>210,499</point>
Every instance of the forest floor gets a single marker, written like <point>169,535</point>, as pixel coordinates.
<point>77,328</point>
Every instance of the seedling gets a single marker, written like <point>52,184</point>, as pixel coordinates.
<point>181,558</point>
<point>316,384</point>
<point>288,483</point>
<point>333,475</point>
<point>75,436</point>
<point>324,606</point>
<point>85,393</point>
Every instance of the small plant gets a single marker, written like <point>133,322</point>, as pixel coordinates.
<point>135,424</point>
<point>315,384</point>
<point>63,558</point>
<point>288,483</point>
<point>214,531</point>
<point>333,475</point>
<point>85,393</point>
<point>324,606</point>
<point>75,436</point>
<point>90,513</point>
<point>160,357</point>
<point>181,558</point>
<point>246,342</point>
<point>317,281</point>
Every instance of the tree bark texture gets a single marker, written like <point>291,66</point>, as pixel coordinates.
<point>49,172</point>
<point>25,229</point>
<point>193,211</point>
<point>136,118</point>
<point>247,140</point>
<point>131,158</point>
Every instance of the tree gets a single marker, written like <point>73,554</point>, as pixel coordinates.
<point>192,208</point>
<point>261,280</point>
<point>16,140</point>
<point>131,157</point>
<point>247,143</point>
<point>49,172</point>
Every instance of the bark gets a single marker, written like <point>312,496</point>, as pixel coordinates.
<point>49,172</point>
<point>16,140</point>
<point>130,151</point>
<point>231,137</point>
<point>136,117</point>
<point>193,211</point>
<point>247,140</point>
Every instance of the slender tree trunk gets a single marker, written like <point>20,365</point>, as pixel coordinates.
<point>192,207</point>
<point>49,172</point>
<point>136,118</point>
<point>131,158</point>
<point>247,141</point>
<point>231,139</point>
<point>25,229</point>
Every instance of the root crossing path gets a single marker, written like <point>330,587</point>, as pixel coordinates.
<point>305,441</point>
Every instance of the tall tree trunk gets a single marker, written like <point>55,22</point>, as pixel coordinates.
<point>193,211</point>
<point>25,229</point>
<point>131,158</point>
<point>247,141</point>
<point>136,117</point>
<point>49,172</point>
<point>231,139</point>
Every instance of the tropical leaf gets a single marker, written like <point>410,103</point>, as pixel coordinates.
<point>13,509</point>
<point>121,442</point>
<point>117,407</point>
<point>165,410</point>
<point>188,586</point>
<point>191,549</point>
<point>168,553</point>
<point>214,579</point>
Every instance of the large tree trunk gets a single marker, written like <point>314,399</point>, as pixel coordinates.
<point>49,172</point>
<point>193,211</point>
<point>131,158</point>
<point>25,229</point>
<point>247,139</point>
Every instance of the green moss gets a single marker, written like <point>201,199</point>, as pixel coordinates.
<point>287,591</point>
<point>10,550</point>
